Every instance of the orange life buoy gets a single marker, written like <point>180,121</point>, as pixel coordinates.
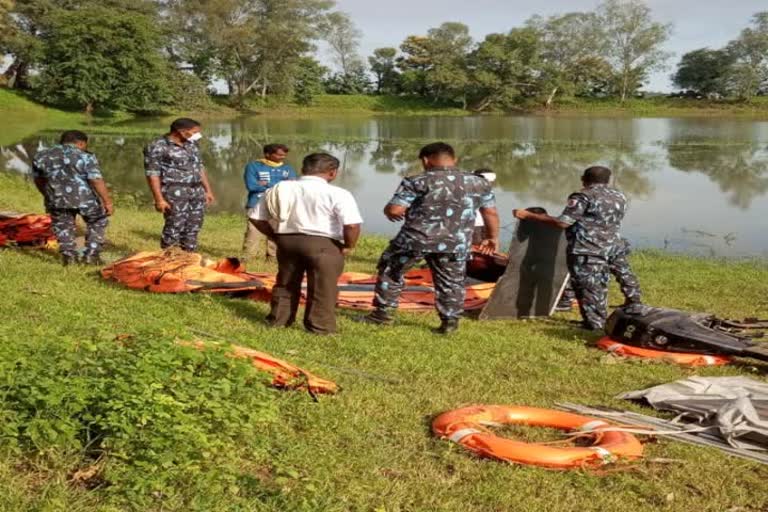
<point>681,358</point>
<point>466,427</point>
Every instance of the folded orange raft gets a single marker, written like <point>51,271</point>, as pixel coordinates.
<point>356,291</point>
<point>681,358</point>
<point>286,375</point>
<point>176,271</point>
<point>25,229</point>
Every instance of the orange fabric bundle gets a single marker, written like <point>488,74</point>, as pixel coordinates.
<point>176,271</point>
<point>681,358</point>
<point>286,375</point>
<point>356,291</point>
<point>25,229</point>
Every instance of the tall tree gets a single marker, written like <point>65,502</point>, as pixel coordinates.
<point>748,75</point>
<point>101,57</point>
<point>382,64</point>
<point>436,65</point>
<point>504,69</point>
<point>309,81</point>
<point>343,38</point>
<point>632,42</point>
<point>27,21</point>
<point>569,47</point>
<point>704,71</point>
<point>253,45</point>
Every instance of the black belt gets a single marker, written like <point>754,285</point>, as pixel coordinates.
<point>183,185</point>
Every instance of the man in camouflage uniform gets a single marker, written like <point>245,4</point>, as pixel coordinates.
<point>70,180</point>
<point>622,272</point>
<point>179,183</point>
<point>439,209</point>
<point>592,220</point>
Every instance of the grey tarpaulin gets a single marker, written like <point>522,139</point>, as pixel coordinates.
<point>736,406</point>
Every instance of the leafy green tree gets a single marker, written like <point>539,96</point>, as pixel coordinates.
<point>355,81</point>
<point>436,65</point>
<point>309,81</point>
<point>748,75</point>
<point>632,42</point>
<point>383,66</point>
<point>704,71</point>
<point>255,46</point>
<point>343,38</point>
<point>27,24</point>
<point>570,54</point>
<point>101,57</point>
<point>505,69</point>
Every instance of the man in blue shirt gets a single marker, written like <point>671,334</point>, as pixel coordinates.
<point>260,176</point>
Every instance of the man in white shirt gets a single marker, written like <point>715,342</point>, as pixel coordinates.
<point>478,235</point>
<point>317,225</point>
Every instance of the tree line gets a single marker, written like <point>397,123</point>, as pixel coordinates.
<point>148,55</point>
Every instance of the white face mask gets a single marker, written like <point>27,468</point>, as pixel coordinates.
<point>195,137</point>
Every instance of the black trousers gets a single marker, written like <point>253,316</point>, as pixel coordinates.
<point>322,261</point>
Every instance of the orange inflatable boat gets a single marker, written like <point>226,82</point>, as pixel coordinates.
<point>176,271</point>
<point>356,290</point>
<point>681,358</point>
<point>468,427</point>
<point>25,229</point>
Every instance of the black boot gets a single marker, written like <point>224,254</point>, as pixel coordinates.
<point>68,259</point>
<point>377,317</point>
<point>92,259</point>
<point>447,326</point>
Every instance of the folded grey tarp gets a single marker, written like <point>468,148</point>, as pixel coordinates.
<point>736,406</point>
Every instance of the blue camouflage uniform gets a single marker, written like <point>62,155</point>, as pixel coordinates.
<point>442,204</point>
<point>180,168</point>
<point>596,250</point>
<point>67,171</point>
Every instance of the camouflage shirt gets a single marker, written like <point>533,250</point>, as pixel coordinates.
<point>67,170</point>
<point>442,204</point>
<point>594,216</point>
<point>175,164</point>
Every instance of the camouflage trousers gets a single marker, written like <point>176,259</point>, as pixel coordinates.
<point>184,220</point>
<point>64,227</point>
<point>448,276</point>
<point>590,276</point>
<point>619,267</point>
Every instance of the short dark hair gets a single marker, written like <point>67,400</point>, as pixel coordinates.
<point>597,175</point>
<point>437,149</point>
<point>270,149</point>
<point>537,209</point>
<point>183,123</point>
<point>72,136</point>
<point>319,163</point>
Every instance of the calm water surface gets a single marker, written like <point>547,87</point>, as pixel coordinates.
<point>695,185</point>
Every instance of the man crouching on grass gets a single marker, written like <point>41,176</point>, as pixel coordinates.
<point>317,225</point>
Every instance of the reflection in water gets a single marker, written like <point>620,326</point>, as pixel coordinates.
<point>740,171</point>
<point>721,190</point>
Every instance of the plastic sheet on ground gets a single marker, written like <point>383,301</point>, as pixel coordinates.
<point>736,406</point>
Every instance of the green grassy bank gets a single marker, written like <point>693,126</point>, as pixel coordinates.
<point>99,410</point>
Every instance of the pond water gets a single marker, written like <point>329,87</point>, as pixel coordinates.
<point>695,185</point>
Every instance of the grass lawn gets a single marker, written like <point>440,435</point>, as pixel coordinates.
<point>81,359</point>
